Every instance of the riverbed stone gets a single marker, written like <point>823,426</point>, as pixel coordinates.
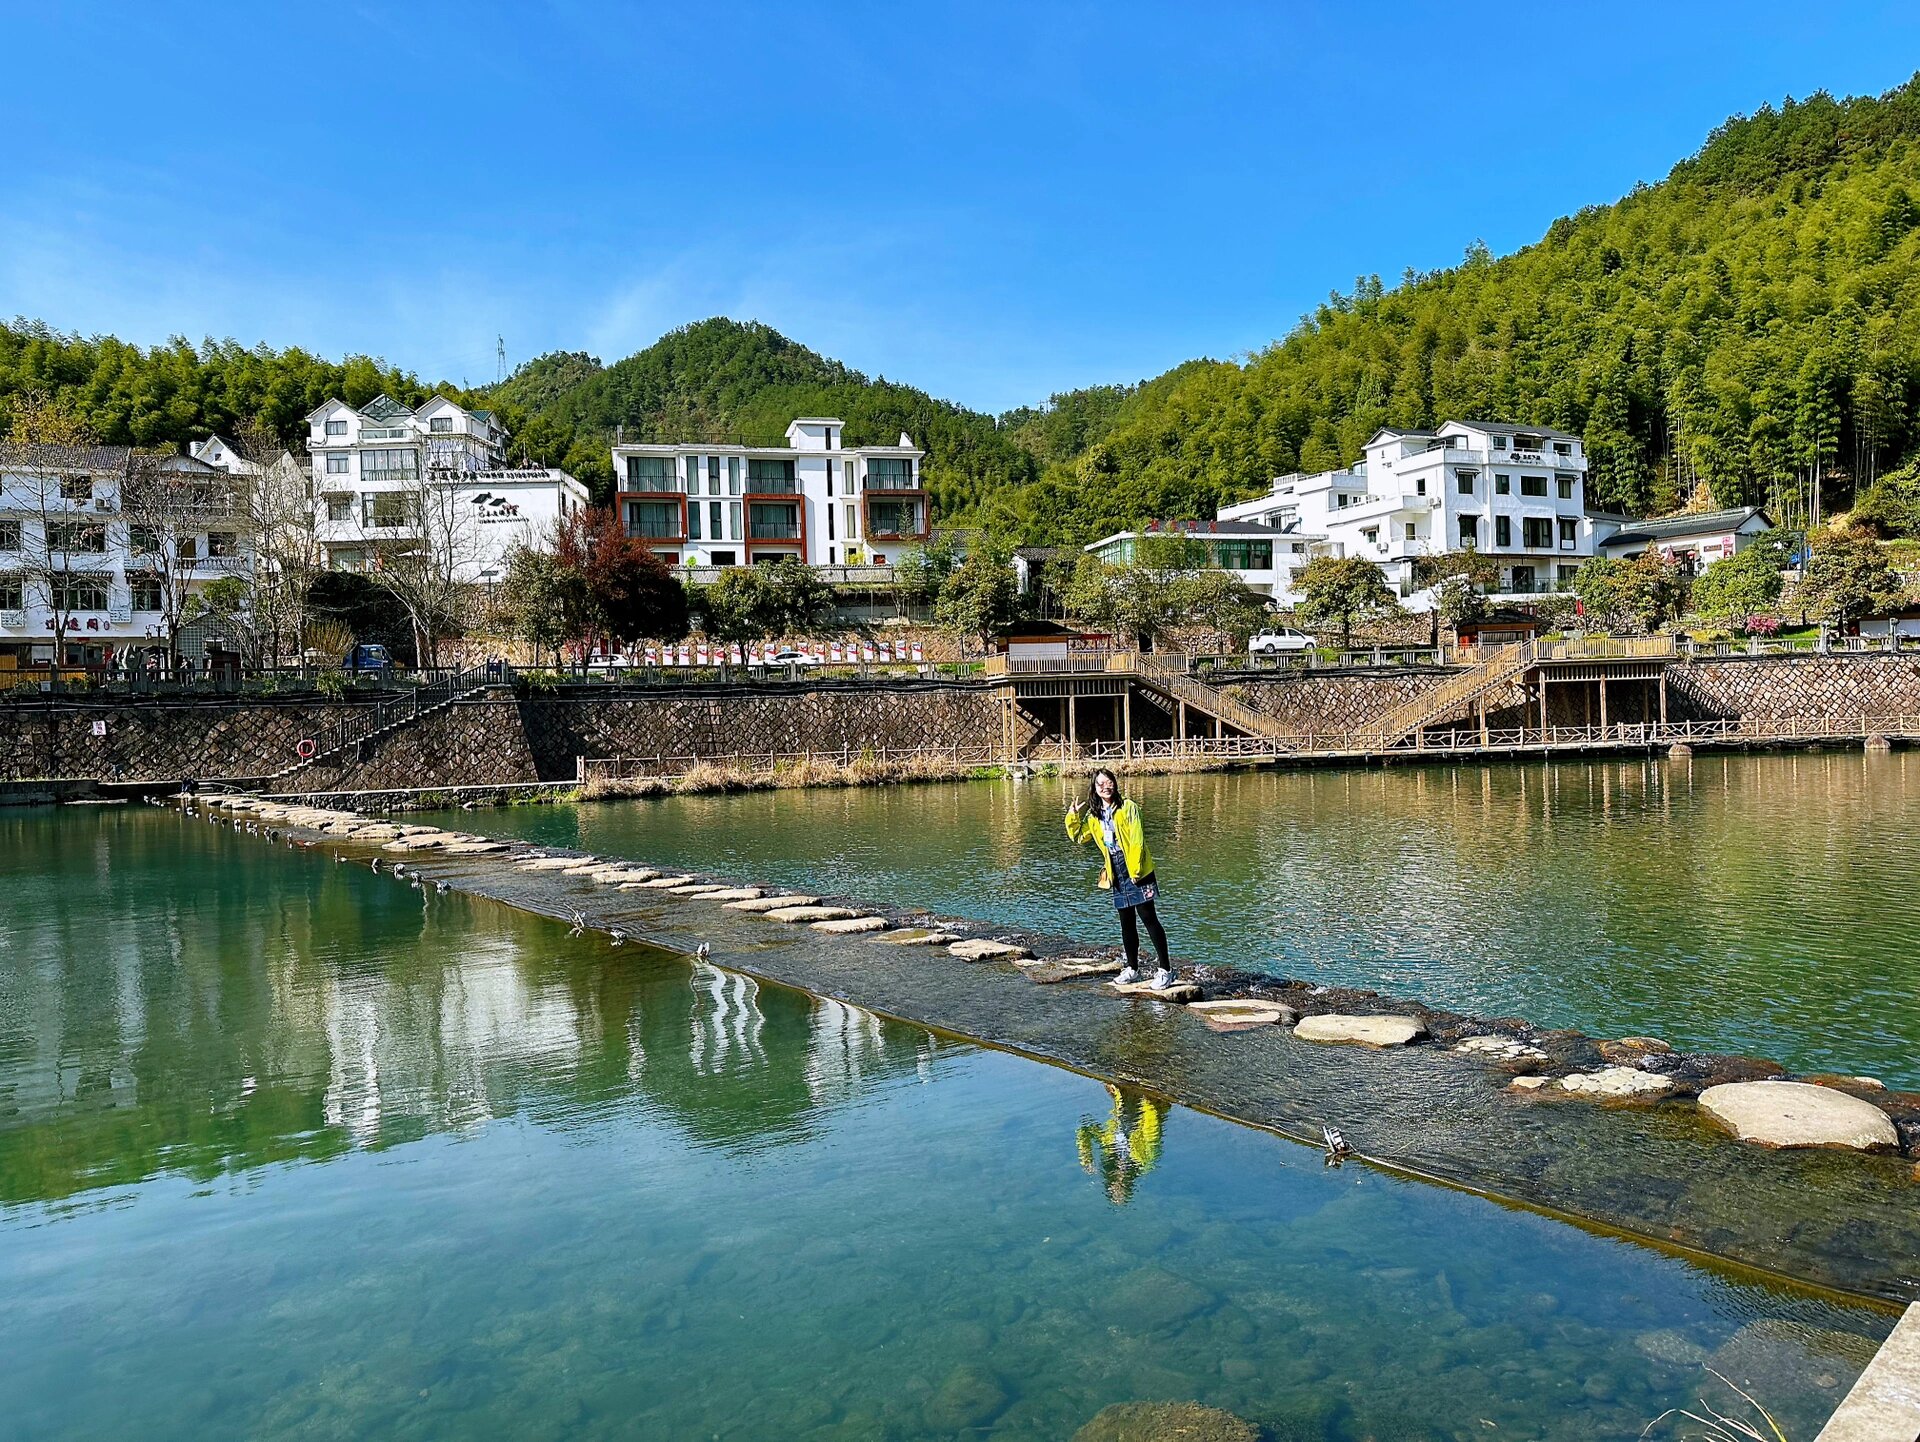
<point>772,903</point>
<point>1797,1114</point>
<point>552,863</point>
<point>851,925</point>
<point>1529,1083</point>
<point>1629,1049</point>
<point>795,914</point>
<point>698,888</point>
<point>665,883</point>
<point>980,948</point>
<point>969,1398</point>
<point>736,893</point>
<point>1051,971</point>
<point>1617,1082</point>
<point>1500,1048</point>
<point>1166,1422</point>
<point>915,936</point>
<point>1154,1299</point>
<point>1243,1015</point>
<point>423,841</point>
<point>1361,1030</point>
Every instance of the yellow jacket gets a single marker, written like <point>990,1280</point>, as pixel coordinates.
<point>1082,827</point>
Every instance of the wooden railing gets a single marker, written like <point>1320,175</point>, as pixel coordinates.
<point>1454,692</point>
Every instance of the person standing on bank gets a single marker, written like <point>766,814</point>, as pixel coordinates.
<point>1128,872</point>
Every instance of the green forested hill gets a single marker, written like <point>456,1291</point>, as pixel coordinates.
<point>1750,323</point>
<point>1749,326</point>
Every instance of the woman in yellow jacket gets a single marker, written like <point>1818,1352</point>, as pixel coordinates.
<point>1108,817</point>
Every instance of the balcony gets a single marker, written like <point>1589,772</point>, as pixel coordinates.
<point>774,531</point>
<point>891,519</point>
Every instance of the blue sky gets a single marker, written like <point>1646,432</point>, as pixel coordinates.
<point>991,201</point>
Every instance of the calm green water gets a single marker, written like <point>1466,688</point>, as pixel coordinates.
<point>288,1151</point>
<point>1758,904</point>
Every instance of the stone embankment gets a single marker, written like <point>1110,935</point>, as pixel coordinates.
<point>1643,1138</point>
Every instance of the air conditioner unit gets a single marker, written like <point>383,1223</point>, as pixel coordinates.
<point>101,503</point>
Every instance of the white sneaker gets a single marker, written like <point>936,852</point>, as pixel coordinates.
<point>1163,978</point>
<point>1128,976</point>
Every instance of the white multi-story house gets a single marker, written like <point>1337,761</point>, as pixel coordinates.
<point>378,467</point>
<point>1263,556</point>
<point>701,504</point>
<point>102,547</point>
<point>1516,494</point>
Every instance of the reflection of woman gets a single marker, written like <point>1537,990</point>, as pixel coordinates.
<point>1128,870</point>
<point>1124,1147</point>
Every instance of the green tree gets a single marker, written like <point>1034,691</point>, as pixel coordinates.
<point>545,600</point>
<point>1459,602</point>
<point>978,596</point>
<point>1745,584</point>
<point>1846,578</point>
<point>1342,590</point>
<point>1642,592</point>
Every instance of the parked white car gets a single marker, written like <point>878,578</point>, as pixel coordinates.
<point>1280,642</point>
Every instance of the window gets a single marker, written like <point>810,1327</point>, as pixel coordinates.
<point>774,522</point>
<point>337,465</point>
<point>715,530</point>
<point>13,593</point>
<point>1420,486</point>
<point>1562,448</point>
<point>733,520</point>
<point>1502,531</point>
<point>336,428</point>
<point>1370,535</point>
<point>9,535</point>
<point>1469,532</point>
<point>1409,530</point>
<point>724,558</point>
<point>76,488</point>
<point>76,536</point>
<point>890,473</point>
<point>1533,485</point>
<point>77,591</point>
<point>1569,533</point>
<point>1537,532</point>
<point>693,513</point>
<point>713,475</point>
<point>339,508</point>
<point>146,591</point>
<point>830,533</point>
<point>402,463</point>
<point>188,548</point>
<point>1465,481</point>
<point>1499,443</point>
<point>693,475</point>
<point>222,544</point>
<point>853,522</point>
<point>386,508</point>
<point>1564,487</point>
<point>650,473</point>
<point>733,483</point>
<point>653,519</point>
<point>441,425</point>
<point>1502,485</point>
<point>769,478</point>
<point>1567,573</point>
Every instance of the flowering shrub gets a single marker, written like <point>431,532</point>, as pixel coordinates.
<point>1762,626</point>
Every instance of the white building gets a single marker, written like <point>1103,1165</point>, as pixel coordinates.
<point>1263,556</point>
<point>82,550</point>
<point>1697,541</point>
<point>823,503</point>
<point>1516,494</point>
<point>377,468</point>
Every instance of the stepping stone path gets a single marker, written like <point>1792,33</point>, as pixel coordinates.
<point>1361,1030</point>
<point>665,883</point>
<point>1529,1083</point>
<point>1615,1081</point>
<point>916,936</point>
<point>1243,1014</point>
<point>772,903</point>
<point>791,914</point>
<point>428,841</point>
<point>1181,992</point>
<point>1798,1114</point>
<point>1501,1048</point>
<point>980,949</point>
<point>1053,971</point>
<point>551,863</point>
<point>699,888</point>
<point>852,924</point>
<point>474,848</point>
<point>736,893</point>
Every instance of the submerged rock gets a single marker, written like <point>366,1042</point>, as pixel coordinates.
<point>1166,1422</point>
<point>1153,1299</point>
<point>970,1397</point>
<point>1616,1081</point>
<point>1361,1030</point>
<point>915,936</point>
<point>848,925</point>
<point>1229,1016</point>
<point>795,914</point>
<point>1796,1114</point>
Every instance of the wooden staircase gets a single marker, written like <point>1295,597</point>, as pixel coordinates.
<point>1451,696</point>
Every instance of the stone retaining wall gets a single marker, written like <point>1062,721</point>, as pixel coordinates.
<point>503,740</point>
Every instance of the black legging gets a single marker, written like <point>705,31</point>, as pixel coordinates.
<point>1130,932</point>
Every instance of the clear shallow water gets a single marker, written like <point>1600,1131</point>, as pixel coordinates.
<point>287,1151</point>
<point>1758,904</point>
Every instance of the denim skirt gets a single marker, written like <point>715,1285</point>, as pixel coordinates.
<point>1128,893</point>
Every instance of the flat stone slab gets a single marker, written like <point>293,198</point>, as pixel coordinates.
<point>1616,1081</point>
<point>625,875</point>
<point>772,903</point>
<point>1529,1083</point>
<point>979,948</point>
<point>553,863</point>
<point>1054,970</point>
<point>1181,992</point>
<point>792,914</point>
<point>1500,1048</point>
<point>371,833</point>
<point>737,893</point>
<point>422,841</point>
<point>474,848</point>
<point>849,925</point>
<point>698,888</point>
<point>1243,1014</point>
<point>666,883</point>
<point>1361,1030</point>
<point>582,868</point>
<point>1798,1114</point>
<point>915,936</point>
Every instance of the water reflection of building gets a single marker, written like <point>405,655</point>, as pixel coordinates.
<point>727,1021</point>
